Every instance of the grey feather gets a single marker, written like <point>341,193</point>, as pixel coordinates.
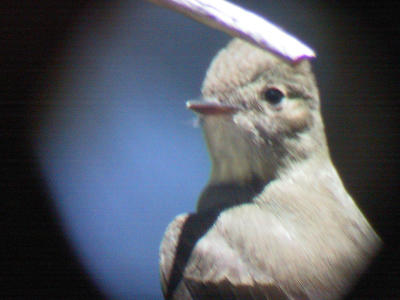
<point>274,221</point>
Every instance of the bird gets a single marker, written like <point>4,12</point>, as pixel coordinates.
<point>274,220</point>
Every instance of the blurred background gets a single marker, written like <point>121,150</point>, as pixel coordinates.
<point>98,153</point>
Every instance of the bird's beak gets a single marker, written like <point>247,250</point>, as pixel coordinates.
<point>210,107</point>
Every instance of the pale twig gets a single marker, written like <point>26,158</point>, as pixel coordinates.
<point>239,22</point>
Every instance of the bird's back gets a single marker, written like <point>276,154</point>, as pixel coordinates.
<point>293,241</point>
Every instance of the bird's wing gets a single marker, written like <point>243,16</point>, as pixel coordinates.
<point>194,267</point>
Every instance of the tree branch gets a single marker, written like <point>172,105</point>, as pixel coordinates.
<point>241,23</point>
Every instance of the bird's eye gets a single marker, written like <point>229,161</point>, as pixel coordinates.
<point>273,95</point>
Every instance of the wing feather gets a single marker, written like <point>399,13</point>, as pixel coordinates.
<point>194,267</point>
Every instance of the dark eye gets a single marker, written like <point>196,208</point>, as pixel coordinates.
<point>273,95</point>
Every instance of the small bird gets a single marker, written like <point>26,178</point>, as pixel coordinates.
<point>274,220</point>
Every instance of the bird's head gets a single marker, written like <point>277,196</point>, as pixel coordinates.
<point>260,113</point>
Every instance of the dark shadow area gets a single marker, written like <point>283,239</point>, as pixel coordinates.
<point>197,225</point>
<point>193,229</point>
<point>36,259</point>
